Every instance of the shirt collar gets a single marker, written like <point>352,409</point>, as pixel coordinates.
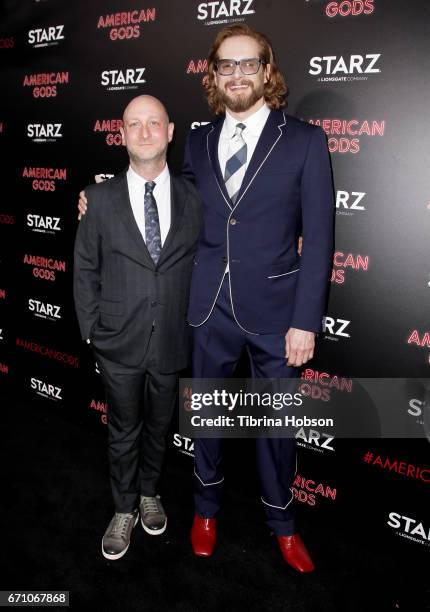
<point>254,123</point>
<point>139,182</point>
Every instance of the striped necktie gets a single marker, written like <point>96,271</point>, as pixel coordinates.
<point>152,223</point>
<point>236,164</point>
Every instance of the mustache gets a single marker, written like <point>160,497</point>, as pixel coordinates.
<point>239,82</point>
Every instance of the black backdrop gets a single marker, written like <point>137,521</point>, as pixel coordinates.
<point>359,69</point>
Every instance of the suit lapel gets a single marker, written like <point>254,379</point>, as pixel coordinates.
<point>177,205</point>
<point>124,211</point>
<point>212,150</point>
<point>269,137</point>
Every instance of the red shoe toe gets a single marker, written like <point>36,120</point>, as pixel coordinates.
<point>295,553</point>
<point>203,536</point>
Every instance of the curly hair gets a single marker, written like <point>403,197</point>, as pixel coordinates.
<point>275,88</point>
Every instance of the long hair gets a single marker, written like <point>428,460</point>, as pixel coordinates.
<point>274,89</point>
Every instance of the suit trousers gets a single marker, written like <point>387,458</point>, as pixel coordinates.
<point>217,346</point>
<point>140,407</point>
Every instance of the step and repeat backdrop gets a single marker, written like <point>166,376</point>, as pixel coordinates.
<point>357,68</point>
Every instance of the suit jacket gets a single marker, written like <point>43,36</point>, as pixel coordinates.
<point>287,190</point>
<point>118,289</point>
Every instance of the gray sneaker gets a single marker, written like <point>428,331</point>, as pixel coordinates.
<point>116,539</point>
<point>152,515</point>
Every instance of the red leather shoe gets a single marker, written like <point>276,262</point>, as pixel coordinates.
<point>203,536</point>
<point>295,554</point>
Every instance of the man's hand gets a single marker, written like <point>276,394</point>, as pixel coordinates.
<point>82,205</point>
<point>299,346</point>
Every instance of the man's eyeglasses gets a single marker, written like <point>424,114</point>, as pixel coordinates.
<point>226,67</point>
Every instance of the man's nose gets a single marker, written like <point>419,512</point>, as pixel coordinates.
<point>144,131</point>
<point>237,71</point>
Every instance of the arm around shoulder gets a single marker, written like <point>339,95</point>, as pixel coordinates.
<point>87,267</point>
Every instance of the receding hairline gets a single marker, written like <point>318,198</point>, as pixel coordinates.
<point>146,98</point>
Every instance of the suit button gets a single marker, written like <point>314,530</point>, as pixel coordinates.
<point>233,221</point>
<point>224,259</point>
<point>153,304</point>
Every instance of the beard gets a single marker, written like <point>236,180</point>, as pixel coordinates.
<point>242,102</point>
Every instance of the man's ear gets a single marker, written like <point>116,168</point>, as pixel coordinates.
<point>170,130</point>
<point>267,70</point>
<point>121,129</point>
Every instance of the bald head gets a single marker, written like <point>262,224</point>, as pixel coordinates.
<point>145,104</point>
<point>146,133</point>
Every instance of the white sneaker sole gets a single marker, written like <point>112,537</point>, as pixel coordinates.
<point>122,553</point>
<point>154,531</point>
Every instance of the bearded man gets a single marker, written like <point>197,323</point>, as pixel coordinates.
<point>265,180</point>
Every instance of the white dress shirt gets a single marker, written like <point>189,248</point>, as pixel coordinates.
<point>136,189</point>
<point>254,126</point>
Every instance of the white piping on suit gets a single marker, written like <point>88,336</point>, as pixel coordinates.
<point>284,274</point>
<point>292,496</point>
<point>228,223</point>
<point>222,278</point>
<point>207,484</point>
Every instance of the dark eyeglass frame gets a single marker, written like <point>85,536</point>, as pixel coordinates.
<point>238,63</point>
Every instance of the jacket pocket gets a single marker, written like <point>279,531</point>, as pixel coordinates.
<point>283,269</point>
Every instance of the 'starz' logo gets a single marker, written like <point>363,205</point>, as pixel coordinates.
<point>45,37</point>
<point>43,224</point>
<point>130,78</point>
<point>336,328</point>
<point>184,445</point>
<point>224,12</point>
<point>349,201</point>
<point>333,67</point>
<point>314,439</point>
<point>409,528</point>
<point>44,132</point>
<point>45,390</point>
<point>44,310</point>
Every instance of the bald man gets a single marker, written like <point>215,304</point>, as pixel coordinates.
<point>133,259</point>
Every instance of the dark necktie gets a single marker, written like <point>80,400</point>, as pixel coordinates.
<point>152,223</point>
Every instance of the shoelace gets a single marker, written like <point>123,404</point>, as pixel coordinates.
<point>150,505</point>
<point>121,524</point>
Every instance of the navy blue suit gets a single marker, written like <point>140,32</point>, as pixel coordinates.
<point>286,192</point>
